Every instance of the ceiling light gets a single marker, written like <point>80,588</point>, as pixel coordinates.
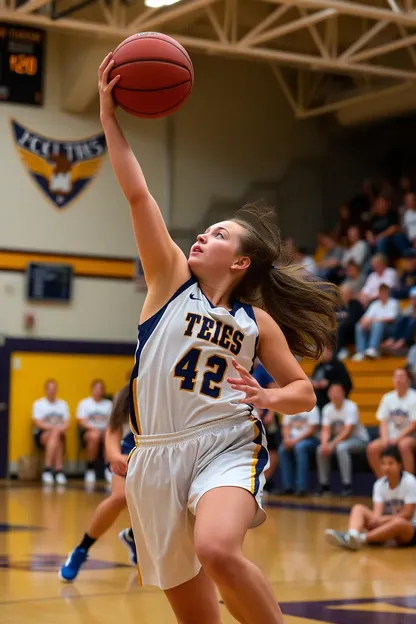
<point>155,4</point>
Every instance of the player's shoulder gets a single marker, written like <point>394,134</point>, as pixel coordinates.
<point>412,394</point>
<point>388,396</point>
<point>39,402</point>
<point>327,409</point>
<point>265,322</point>
<point>382,482</point>
<point>409,479</point>
<point>350,405</point>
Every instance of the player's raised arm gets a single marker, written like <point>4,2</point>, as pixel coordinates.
<point>160,256</point>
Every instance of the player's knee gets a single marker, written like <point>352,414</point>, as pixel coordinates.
<point>218,558</point>
<point>405,444</point>
<point>359,508</point>
<point>373,448</point>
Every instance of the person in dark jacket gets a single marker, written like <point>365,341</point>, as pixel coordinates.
<point>329,370</point>
<point>350,313</point>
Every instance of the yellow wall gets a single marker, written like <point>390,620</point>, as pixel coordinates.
<point>74,374</point>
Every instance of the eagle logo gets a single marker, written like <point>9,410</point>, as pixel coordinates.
<point>61,169</point>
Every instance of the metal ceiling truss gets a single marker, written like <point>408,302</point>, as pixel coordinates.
<point>372,43</point>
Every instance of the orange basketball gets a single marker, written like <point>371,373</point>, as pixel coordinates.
<point>156,75</point>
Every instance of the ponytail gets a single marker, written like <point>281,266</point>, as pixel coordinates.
<point>302,306</point>
<point>120,413</point>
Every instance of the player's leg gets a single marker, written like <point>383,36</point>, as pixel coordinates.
<point>223,516</point>
<point>374,450</point>
<point>49,440</point>
<point>196,601</point>
<point>397,529</point>
<point>343,451</point>
<point>59,451</point>
<point>407,447</point>
<point>323,464</point>
<point>92,440</point>
<point>361,518</point>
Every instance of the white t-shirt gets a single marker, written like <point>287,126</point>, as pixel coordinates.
<point>379,310</point>
<point>395,500</point>
<point>359,253</point>
<point>398,411</point>
<point>409,223</point>
<point>300,423</point>
<point>51,413</point>
<point>96,413</point>
<point>347,415</point>
<point>374,281</point>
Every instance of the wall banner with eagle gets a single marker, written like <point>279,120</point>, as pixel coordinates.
<point>61,169</point>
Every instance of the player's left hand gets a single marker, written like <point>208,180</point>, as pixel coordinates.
<point>255,394</point>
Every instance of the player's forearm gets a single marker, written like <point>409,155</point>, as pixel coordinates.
<point>294,398</point>
<point>128,171</point>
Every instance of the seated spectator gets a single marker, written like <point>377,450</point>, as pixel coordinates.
<point>358,250</point>
<point>397,416</point>
<point>329,370</point>
<point>408,276</point>
<point>409,216</point>
<point>302,258</point>
<point>361,204</point>
<point>93,414</point>
<point>382,274</point>
<point>270,422</point>
<point>354,279</point>
<point>404,328</point>
<point>299,443</point>
<point>51,416</point>
<point>329,267</point>
<point>350,313</point>
<point>393,516</point>
<point>341,434</point>
<point>384,233</point>
<point>344,222</point>
<point>411,365</point>
<point>375,325</point>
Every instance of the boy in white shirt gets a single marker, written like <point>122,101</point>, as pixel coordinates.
<point>299,442</point>
<point>397,416</point>
<point>341,434</point>
<point>393,517</point>
<point>372,328</point>
<point>51,416</point>
<point>93,414</point>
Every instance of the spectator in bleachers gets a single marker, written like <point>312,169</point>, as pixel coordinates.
<point>301,257</point>
<point>341,434</point>
<point>350,313</point>
<point>376,324</point>
<point>329,370</point>
<point>393,517</point>
<point>330,266</point>
<point>361,204</point>
<point>405,326</point>
<point>397,416</point>
<point>343,225</point>
<point>51,420</point>
<point>93,414</point>
<point>407,277</point>
<point>299,443</point>
<point>384,233</point>
<point>382,274</point>
<point>354,279</point>
<point>411,365</point>
<point>409,216</point>
<point>358,250</point>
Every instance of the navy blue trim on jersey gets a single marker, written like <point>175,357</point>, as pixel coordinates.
<point>146,329</point>
<point>127,444</point>
<point>237,305</point>
<point>262,457</point>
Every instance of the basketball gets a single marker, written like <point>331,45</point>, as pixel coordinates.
<point>156,75</point>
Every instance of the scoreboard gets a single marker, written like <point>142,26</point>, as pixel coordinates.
<point>21,64</point>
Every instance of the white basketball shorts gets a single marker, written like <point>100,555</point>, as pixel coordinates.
<point>167,476</point>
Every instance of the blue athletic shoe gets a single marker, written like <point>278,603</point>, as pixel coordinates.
<point>69,571</point>
<point>127,541</point>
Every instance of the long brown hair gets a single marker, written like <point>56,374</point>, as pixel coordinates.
<point>120,412</point>
<point>302,306</point>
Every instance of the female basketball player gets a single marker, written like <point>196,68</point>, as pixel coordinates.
<point>107,512</point>
<point>194,481</point>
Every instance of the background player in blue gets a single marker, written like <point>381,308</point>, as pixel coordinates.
<point>119,442</point>
<point>270,422</point>
<point>195,479</point>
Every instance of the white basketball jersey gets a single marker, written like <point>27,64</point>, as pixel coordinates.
<point>183,358</point>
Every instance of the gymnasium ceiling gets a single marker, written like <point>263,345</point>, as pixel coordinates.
<point>325,54</point>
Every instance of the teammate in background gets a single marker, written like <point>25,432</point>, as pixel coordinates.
<point>271,425</point>
<point>119,442</point>
<point>195,479</point>
<point>93,414</point>
<point>51,421</point>
<point>393,517</point>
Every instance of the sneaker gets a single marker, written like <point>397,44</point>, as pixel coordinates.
<point>89,477</point>
<point>343,354</point>
<point>60,478</point>
<point>69,571</point>
<point>354,541</point>
<point>301,493</point>
<point>127,541</point>
<point>337,538</point>
<point>323,490</point>
<point>47,478</point>
<point>346,491</point>
<point>372,353</point>
<point>108,475</point>
<point>358,357</point>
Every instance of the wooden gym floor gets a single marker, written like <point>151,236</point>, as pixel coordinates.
<point>314,582</point>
